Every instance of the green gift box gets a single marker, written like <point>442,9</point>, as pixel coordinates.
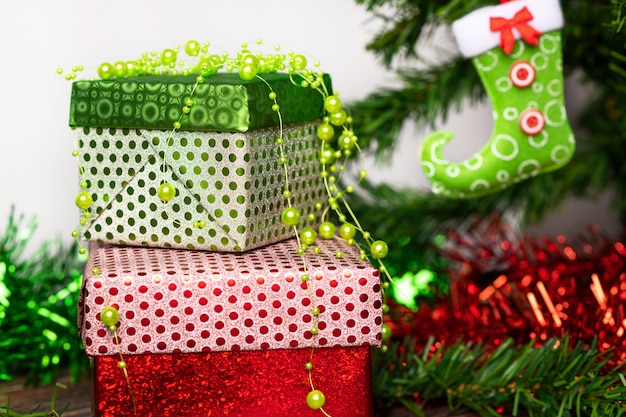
<point>223,161</point>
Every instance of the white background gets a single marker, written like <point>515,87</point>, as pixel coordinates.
<point>38,173</point>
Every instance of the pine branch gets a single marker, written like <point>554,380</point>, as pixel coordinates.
<point>417,219</point>
<point>619,15</point>
<point>407,22</point>
<point>554,379</point>
<point>593,44</point>
<point>425,97</point>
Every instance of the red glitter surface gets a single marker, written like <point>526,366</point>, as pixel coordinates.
<point>239,383</point>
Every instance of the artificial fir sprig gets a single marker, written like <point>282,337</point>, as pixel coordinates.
<point>552,379</point>
<point>619,14</point>
<point>426,97</point>
<point>408,22</point>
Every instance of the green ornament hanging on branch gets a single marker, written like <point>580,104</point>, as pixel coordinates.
<point>516,49</point>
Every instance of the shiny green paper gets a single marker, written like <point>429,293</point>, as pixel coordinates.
<point>222,102</point>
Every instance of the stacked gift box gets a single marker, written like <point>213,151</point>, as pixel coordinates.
<point>213,316</point>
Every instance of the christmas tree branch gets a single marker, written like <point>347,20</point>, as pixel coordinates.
<point>619,15</point>
<point>553,379</point>
<point>405,23</point>
<point>425,97</point>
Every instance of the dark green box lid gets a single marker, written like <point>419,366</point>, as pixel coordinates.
<point>223,102</point>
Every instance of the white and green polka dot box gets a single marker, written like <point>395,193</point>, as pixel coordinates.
<point>221,158</point>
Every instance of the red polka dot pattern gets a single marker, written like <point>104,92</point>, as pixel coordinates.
<point>173,300</point>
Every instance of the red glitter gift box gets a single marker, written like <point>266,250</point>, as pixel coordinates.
<point>217,334</point>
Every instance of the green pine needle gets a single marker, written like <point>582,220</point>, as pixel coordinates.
<point>554,379</point>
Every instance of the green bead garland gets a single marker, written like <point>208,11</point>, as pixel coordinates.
<point>315,399</point>
<point>166,192</point>
<point>325,132</point>
<point>308,235</point>
<point>290,216</point>
<point>109,316</point>
<point>106,71</point>
<point>385,332</point>
<point>84,200</point>
<point>332,104</point>
<point>347,231</point>
<point>192,48</point>
<point>379,249</point>
<point>327,230</point>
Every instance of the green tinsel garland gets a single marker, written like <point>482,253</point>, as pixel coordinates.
<point>38,306</point>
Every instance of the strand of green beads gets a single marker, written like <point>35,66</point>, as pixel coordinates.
<point>83,200</point>
<point>110,317</point>
<point>167,191</point>
<point>347,142</point>
<point>290,216</point>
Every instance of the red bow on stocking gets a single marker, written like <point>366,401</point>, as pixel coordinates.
<point>519,22</point>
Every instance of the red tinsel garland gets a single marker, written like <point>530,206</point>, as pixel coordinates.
<point>508,286</point>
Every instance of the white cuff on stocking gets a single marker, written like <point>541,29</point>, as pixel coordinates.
<point>473,33</point>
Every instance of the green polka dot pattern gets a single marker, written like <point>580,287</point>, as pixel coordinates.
<point>222,103</point>
<point>231,181</point>
<point>531,133</point>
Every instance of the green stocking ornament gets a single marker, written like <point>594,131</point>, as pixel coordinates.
<point>516,49</point>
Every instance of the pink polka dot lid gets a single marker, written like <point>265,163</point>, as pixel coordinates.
<point>172,300</point>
